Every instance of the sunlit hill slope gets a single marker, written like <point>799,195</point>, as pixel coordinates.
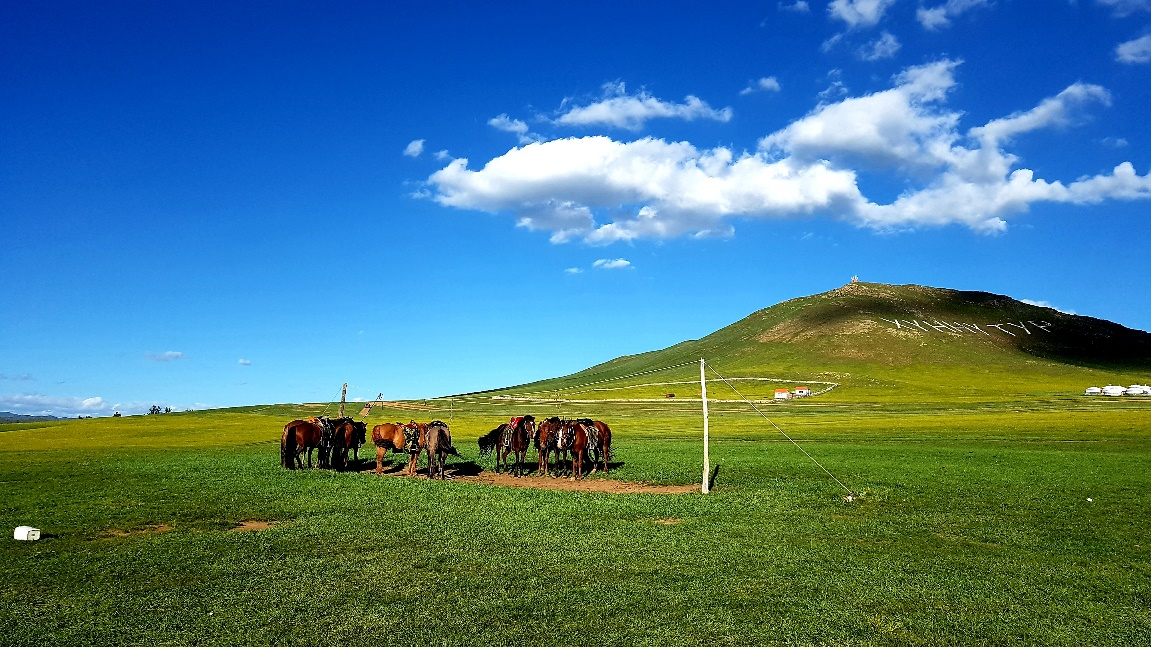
<point>898,342</point>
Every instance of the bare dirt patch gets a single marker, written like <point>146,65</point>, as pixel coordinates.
<point>145,530</point>
<point>248,526</point>
<point>667,522</point>
<point>587,484</point>
<point>591,484</point>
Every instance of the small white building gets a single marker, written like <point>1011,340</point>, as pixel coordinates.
<point>1138,389</point>
<point>1093,390</point>
<point>1113,391</point>
<point>802,391</point>
<point>782,394</point>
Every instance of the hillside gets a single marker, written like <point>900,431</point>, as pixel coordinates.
<point>905,341</point>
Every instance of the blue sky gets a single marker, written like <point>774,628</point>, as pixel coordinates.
<point>215,204</point>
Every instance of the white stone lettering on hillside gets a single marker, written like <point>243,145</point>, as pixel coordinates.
<point>962,327</point>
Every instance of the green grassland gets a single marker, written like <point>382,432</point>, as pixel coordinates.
<point>997,507</point>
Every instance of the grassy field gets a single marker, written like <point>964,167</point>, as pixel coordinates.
<point>1001,521</point>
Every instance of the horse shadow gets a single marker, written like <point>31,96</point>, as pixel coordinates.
<point>462,469</point>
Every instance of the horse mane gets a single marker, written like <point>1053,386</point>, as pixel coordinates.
<point>489,440</point>
<point>585,421</point>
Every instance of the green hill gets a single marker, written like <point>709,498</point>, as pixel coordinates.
<point>888,342</point>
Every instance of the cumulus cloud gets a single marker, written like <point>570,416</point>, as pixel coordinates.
<point>167,356</point>
<point>622,110</point>
<point>1053,111</point>
<point>600,190</point>
<point>617,264</point>
<point>1134,52</point>
<point>245,362</point>
<point>44,405</point>
<point>766,84</point>
<point>902,126</point>
<point>859,13</point>
<point>1122,8</point>
<point>884,47</point>
<point>443,156</point>
<point>940,16</point>
<point>515,126</point>
<point>799,6</point>
<point>414,148</point>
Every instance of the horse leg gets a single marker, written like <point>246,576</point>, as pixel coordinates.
<point>380,451</point>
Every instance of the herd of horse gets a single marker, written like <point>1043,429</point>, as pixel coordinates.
<point>570,441</point>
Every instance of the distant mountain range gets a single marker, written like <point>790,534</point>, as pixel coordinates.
<point>7,416</point>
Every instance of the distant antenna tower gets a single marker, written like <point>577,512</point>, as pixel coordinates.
<point>855,279</point>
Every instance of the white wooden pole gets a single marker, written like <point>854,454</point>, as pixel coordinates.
<point>703,395</point>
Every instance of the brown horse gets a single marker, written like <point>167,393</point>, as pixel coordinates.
<point>514,436</point>
<point>438,442</point>
<point>348,434</point>
<point>575,434</point>
<point>545,442</point>
<point>599,442</point>
<point>397,437</point>
<point>301,435</point>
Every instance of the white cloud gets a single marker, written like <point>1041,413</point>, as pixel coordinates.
<point>859,13</point>
<point>1045,304</point>
<point>600,190</point>
<point>631,112</point>
<point>23,377</point>
<point>514,126</point>
<point>896,127</point>
<point>167,356</point>
<point>617,264</point>
<point>414,148</point>
<point>573,270</point>
<point>766,84</point>
<point>245,362</point>
<point>43,405</point>
<point>1134,52</point>
<point>443,156</point>
<point>1122,8</point>
<point>1053,111</point>
<point>884,47</point>
<point>940,16</point>
<point>799,6</point>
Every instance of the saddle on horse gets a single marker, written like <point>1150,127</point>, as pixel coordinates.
<point>512,424</point>
<point>411,438</point>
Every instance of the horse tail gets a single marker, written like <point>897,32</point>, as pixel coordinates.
<point>288,448</point>
<point>489,441</point>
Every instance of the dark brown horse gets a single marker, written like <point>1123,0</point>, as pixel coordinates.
<point>599,442</point>
<point>398,437</point>
<point>545,442</point>
<point>301,435</point>
<point>348,434</point>
<point>438,443</point>
<point>514,436</point>
<point>575,435</point>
